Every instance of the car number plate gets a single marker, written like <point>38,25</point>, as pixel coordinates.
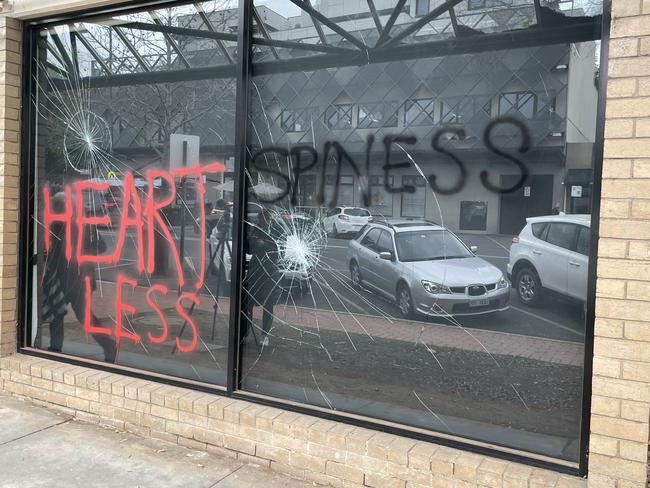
<point>479,303</point>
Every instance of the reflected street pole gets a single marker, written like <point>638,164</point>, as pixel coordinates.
<point>183,212</point>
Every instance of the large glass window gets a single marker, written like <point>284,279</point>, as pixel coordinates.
<point>132,224</point>
<point>416,335</point>
<point>417,206</point>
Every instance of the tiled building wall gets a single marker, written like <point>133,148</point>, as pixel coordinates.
<point>340,455</point>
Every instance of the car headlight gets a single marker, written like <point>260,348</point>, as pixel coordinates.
<point>435,288</point>
<point>503,283</point>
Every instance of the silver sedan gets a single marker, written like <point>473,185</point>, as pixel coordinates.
<point>425,269</point>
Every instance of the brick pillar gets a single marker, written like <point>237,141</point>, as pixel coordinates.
<point>621,378</point>
<point>10,62</point>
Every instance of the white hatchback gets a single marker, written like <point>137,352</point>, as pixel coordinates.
<point>551,254</point>
<point>345,220</point>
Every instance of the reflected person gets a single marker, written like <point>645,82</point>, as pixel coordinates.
<point>64,282</point>
<point>261,282</point>
<point>224,218</point>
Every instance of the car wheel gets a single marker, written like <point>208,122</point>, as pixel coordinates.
<point>404,301</point>
<point>335,231</point>
<point>355,275</point>
<point>529,288</point>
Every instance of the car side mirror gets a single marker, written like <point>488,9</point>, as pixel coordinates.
<point>474,249</point>
<point>387,255</point>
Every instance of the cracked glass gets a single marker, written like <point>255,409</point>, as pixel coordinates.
<point>133,171</point>
<point>408,283</point>
<point>418,187</point>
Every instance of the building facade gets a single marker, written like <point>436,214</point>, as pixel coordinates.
<point>178,179</point>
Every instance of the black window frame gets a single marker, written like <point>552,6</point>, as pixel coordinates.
<point>243,74</point>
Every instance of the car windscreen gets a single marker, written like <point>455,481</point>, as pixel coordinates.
<point>426,245</point>
<point>356,212</point>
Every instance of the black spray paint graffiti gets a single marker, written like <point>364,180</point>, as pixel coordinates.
<point>304,158</point>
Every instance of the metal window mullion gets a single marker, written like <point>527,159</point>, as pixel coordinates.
<point>66,61</point>
<point>454,21</point>
<point>597,165</point>
<point>416,26</point>
<point>316,15</point>
<point>317,26</point>
<point>391,20</point>
<point>172,43</point>
<point>265,33</point>
<point>75,55</point>
<point>538,12</point>
<point>375,16</point>
<point>28,257</point>
<point>303,46</point>
<point>92,51</point>
<point>132,48</point>
<point>211,28</point>
<point>243,74</point>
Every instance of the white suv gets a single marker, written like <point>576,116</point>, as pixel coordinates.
<point>551,254</point>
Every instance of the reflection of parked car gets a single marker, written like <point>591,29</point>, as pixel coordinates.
<point>551,253</point>
<point>345,220</point>
<point>425,268</point>
<point>289,225</point>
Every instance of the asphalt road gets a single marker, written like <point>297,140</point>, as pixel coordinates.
<point>555,318</point>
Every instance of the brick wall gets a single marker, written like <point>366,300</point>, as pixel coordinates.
<point>10,45</point>
<point>336,454</point>
<point>621,379</point>
<point>305,447</point>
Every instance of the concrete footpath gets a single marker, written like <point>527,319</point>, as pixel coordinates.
<point>41,448</point>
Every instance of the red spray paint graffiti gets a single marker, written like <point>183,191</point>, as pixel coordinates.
<point>144,219</point>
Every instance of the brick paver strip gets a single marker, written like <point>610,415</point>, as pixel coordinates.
<point>452,336</point>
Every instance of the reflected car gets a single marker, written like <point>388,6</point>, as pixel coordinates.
<point>425,269</point>
<point>345,220</point>
<point>551,256</point>
<point>293,275</point>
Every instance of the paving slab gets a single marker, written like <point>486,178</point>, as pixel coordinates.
<point>44,450</point>
<point>19,418</point>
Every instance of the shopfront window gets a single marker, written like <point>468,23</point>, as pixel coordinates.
<point>132,230</point>
<point>418,206</point>
<point>428,318</point>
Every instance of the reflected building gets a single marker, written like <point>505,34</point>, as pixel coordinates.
<point>312,97</point>
<point>395,326</point>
